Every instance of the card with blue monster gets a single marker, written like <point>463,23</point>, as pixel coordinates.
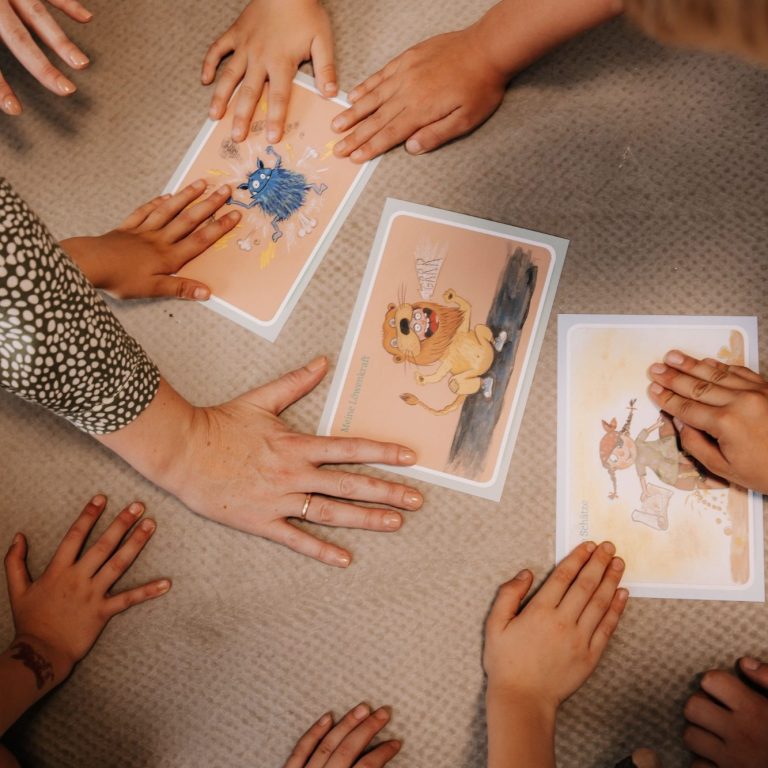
<point>293,196</point>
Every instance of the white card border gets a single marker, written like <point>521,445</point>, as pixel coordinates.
<point>270,329</point>
<point>493,488</point>
<point>752,592</point>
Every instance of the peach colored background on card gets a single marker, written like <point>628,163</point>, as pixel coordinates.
<point>473,263</point>
<point>258,281</point>
<point>606,368</point>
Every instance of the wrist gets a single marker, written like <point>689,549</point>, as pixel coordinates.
<point>49,664</point>
<point>82,251</point>
<point>157,441</point>
<point>539,704</point>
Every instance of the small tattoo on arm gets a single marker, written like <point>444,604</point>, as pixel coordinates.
<point>29,657</point>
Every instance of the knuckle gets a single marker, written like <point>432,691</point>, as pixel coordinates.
<point>325,512</point>
<point>324,750</point>
<point>718,374</point>
<point>346,484</point>
<point>700,388</point>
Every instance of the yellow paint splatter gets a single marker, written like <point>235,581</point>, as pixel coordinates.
<point>216,172</point>
<point>267,255</point>
<point>328,149</point>
<point>263,104</point>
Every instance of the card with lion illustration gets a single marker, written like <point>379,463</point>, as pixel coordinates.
<point>623,474</point>
<point>293,196</point>
<point>443,342</point>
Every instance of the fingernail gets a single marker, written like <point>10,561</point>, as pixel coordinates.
<point>413,147</point>
<point>238,135</point>
<point>657,389</point>
<point>381,714</point>
<point>406,456</point>
<point>136,509</point>
<point>163,586</point>
<point>623,595</point>
<point>65,86</point>
<point>674,357</point>
<point>522,576</point>
<point>658,368</point>
<point>338,124</point>
<point>11,106</point>
<point>356,156</point>
<point>148,525</point>
<point>330,88</point>
<point>234,216</point>
<point>16,540</point>
<point>392,520</point>
<point>342,560</point>
<point>361,711</point>
<point>414,499</point>
<point>272,135</point>
<point>316,364</point>
<point>607,546</point>
<point>78,59</point>
<point>748,663</point>
<point>199,184</point>
<point>201,294</point>
<point>678,424</point>
<point>224,191</point>
<point>99,500</point>
<point>325,719</point>
<point>166,196</point>
<point>617,564</point>
<point>339,148</point>
<point>591,546</point>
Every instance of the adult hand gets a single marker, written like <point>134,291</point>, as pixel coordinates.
<point>138,258</point>
<point>241,465</point>
<point>268,42</point>
<point>20,17</point>
<point>721,413</point>
<point>727,720</point>
<point>435,91</point>
<point>547,651</point>
<point>58,617</point>
<point>344,745</point>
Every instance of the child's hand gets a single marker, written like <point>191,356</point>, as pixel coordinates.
<point>268,42</point>
<point>545,652</point>
<point>728,721</point>
<point>17,19</point>
<point>342,745</point>
<point>138,258</point>
<point>721,413</point>
<point>441,88</point>
<point>59,617</point>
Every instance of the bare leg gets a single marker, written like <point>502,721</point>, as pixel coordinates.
<point>277,234</point>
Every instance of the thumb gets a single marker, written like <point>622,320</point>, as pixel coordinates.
<point>507,602</point>
<point>755,670</point>
<point>702,447</point>
<point>181,288</point>
<point>16,567</point>
<point>276,396</point>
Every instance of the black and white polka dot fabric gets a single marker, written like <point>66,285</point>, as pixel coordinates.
<point>60,345</point>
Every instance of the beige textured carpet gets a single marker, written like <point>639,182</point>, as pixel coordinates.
<point>652,162</point>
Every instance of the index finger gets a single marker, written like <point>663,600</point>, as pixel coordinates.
<point>75,537</point>
<point>700,369</point>
<point>562,577</point>
<point>305,746</point>
<point>357,450</point>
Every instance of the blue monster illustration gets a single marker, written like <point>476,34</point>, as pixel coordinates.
<point>277,191</point>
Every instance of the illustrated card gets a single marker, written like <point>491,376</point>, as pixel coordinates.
<point>622,473</point>
<point>443,342</point>
<point>294,196</point>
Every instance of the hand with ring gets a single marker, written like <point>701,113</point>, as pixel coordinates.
<point>239,464</point>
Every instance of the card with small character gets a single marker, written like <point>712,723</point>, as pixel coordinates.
<point>443,342</point>
<point>293,196</point>
<point>623,474</point>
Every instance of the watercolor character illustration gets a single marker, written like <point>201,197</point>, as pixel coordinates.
<point>427,333</point>
<point>619,450</point>
<point>279,192</point>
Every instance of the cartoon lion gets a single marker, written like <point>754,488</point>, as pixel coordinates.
<point>427,333</point>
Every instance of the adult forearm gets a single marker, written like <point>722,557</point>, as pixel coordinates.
<point>517,32</point>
